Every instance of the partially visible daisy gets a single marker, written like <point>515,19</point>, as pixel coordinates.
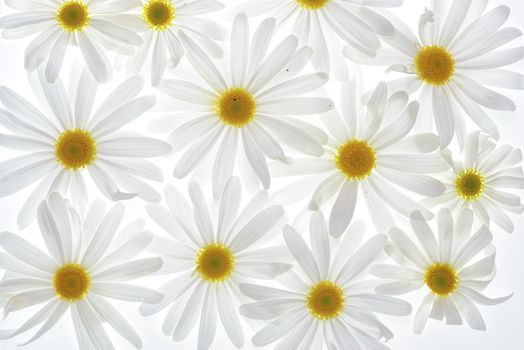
<point>250,106</point>
<point>371,153</point>
<point>60,149</point>
<point>452,269</point>
<point>454,58</point>
<point>480,181</point>
<point>79,273</point>
<point>212,255</point>
<point>92,25</point>
<point>160,21</point>
<point>328,301</point>
<point>321,24</point>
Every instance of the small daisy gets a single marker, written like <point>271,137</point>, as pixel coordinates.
<point>212,257</point>
<point>160,21</point>
<point>250,106</point>
<point>92,25</point>
<point>481,180</point>
<point>451,270</point>
<point>452,61</point>
<point>77,139</point>
<point>321,23</point>
<point>370,152</point>
<point>78,274</point>
<point>329,302</point>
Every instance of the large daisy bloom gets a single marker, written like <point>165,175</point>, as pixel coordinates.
<point>212,255</point>
<point>93,25</point>
<point>370,152</point>
<point>80,271</point>
<point>481,180</point>
<point>455,56</point>
<point>451,269</point>
<point>321,24</point>
<point>71,140</point>
<point>251,105</point>
<point>328,299</point>
<point>160,21</point>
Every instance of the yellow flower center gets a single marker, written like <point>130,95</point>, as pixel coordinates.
<point>215,262</point>
<point>312,4</point>
<point>73,15</point>
<point>236,107</point>
<point>356,159</point>
<point>442,279</point>
<point>75,149</point>
<point>325,300</point>
<point>72,282</point>
<point>469,184</point>
<point>159,14</point>
<point>435,65</point>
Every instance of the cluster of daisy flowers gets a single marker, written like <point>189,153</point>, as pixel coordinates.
<point>291,265</point>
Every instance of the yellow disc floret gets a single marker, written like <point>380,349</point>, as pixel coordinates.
<point>75,149</point>
<point>71,282</point>
<point>236,107</point>
<point>356,159</point>
<point>159,14</point>
<point>215,262</point>
<point>73,15</point>
<point>441,279</point>
<point>469,184</point>
<point>435,65</point>
<point>312,4</point>
<point>325,300</point>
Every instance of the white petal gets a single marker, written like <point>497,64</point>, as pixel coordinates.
<point>201,213</point>
<point>229,206</point>
<point>422,314</point>
<point>343,208</point>
<point>318,233</point>
<point>190,313</point>
<point>395,272</point>
<point>208,320</point>
<point>111,315</point>
<point>301,253</point>
<point>381,303</point>
<point>92,326</point>
<point>229,316</point>
<point>444,116</point>
<point>278,328</point>
<point>484,96</point>
<point>187,91</point>
<point>130,270</point>
<point>49,229</point>
<point>473,246</point>
<point>256,159</point>
<point>103,235</point>
<point>398,128</point>
<point>56,57</point>
<point>126,292</point>
<point>361,259</point>
<point>256,228</point>
<point>425,235</point>
<point>408,248</point>
<point>26,252</point>
<point>96,61</point>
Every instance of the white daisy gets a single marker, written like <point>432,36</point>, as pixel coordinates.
<point>60,149</point>
<point>329,302</point>
<point>452,270</point>
<point>321,23</point>
<point>78,274</point>
<point>370,152</point>
<point>453,59</point>
<point>160,21</point>
<point>93,25</point>
<point>251,105</point>
<point>212,257</point>
<point>480,181</point>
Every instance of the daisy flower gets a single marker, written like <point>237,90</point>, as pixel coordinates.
<point>322,23</point>
<point>92,25</point>
<point>480,181</point>
<point>455,56</point>
<point>370,152</point>
<point>160,21</point>
<point>71,141</point>
<point>78,274</point>
<point>211,258</point>
<point>452,269</point>
<point>249,106</point>
<point>329,301</point>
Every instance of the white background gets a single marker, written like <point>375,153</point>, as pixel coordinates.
<point>505,322</point>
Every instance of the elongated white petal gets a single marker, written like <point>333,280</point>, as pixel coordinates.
<point>127,292</point>
<point>256,228</point>
<point>26,252</point>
